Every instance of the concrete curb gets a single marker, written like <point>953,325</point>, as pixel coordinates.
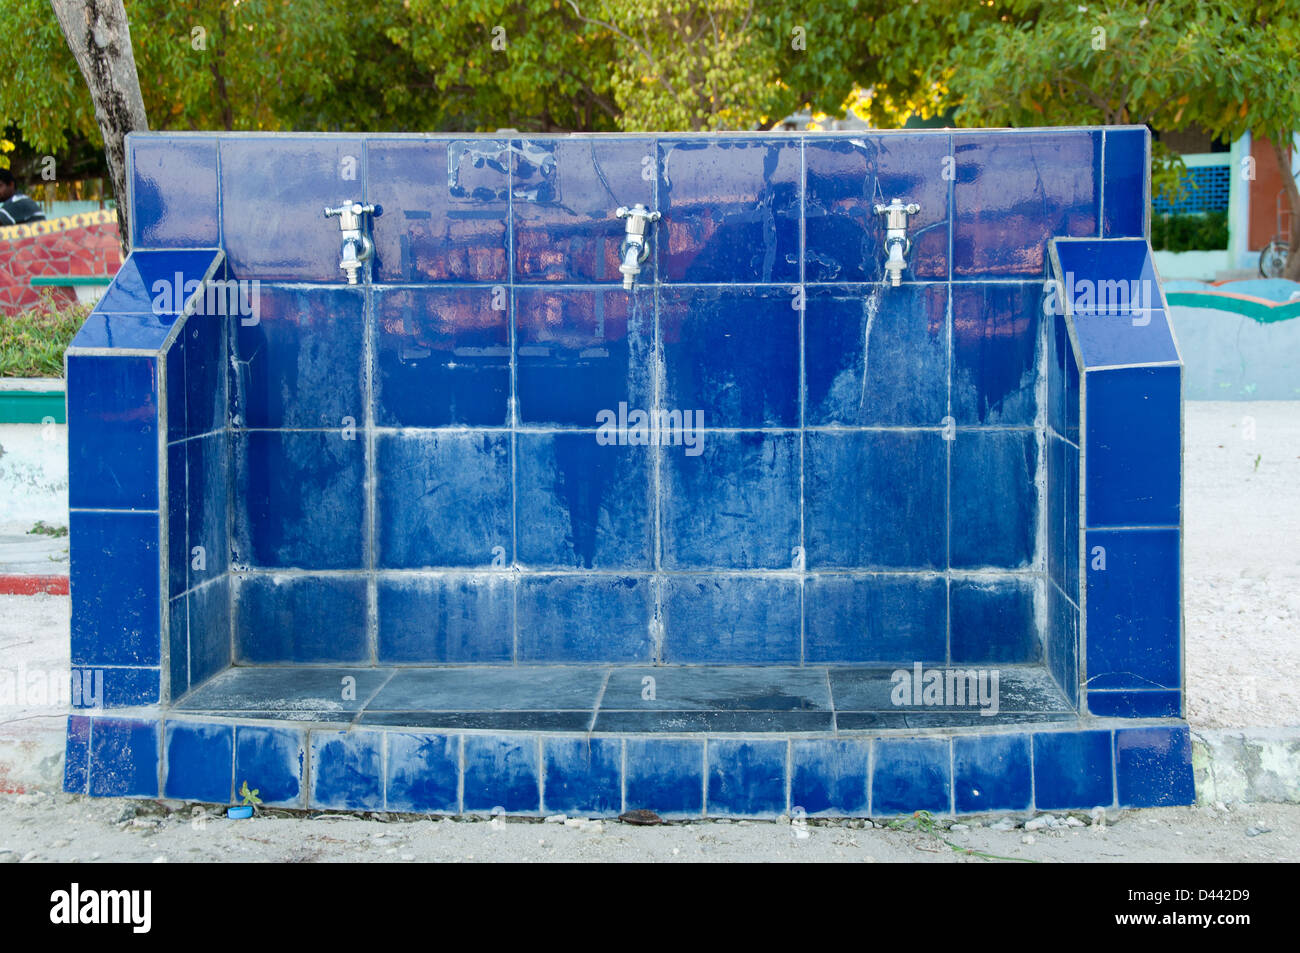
<point>1251,765</point>
<point>23,585</point>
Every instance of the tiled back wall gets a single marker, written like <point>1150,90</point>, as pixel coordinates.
<point>416,471</point>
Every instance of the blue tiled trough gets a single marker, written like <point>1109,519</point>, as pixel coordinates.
<point>389,546</point>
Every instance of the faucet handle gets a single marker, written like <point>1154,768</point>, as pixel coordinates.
<point>637,211</point>
<point>349,207</point>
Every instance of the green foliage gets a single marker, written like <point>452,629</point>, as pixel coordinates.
<point>43,528</point>
<point>32,343</point>
<point>250,797</point>
<point>1203,231</point>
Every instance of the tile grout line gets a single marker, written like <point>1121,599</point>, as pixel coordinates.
<point>802,564</point>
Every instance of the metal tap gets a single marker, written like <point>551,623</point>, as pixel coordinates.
<point>896,242</point>
<point>634,251</point>
<point>357,248</point>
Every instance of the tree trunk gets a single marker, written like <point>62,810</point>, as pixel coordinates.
<point>100,38</point>
<point>1283,155</point>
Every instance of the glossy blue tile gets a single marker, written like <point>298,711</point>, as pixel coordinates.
<point>422,772</point>
<point>442,357</point>
<point>747,778</point>
<point>199,761</point>
<point>735,505</point>
<point>445,207</point>
<point>112,432</point>
<point>1072,770</point>
<point>991,773</point>
<point>138,331</point>
<point>900,335</point>
<point>174,390</point>
<point>1124,194</point>
<point>911,775</point>
<point>157,283</point>
<point>747,233</point>
<point>114,578</point>
<point>582,352</point>
<point>1063,380</point>
<point>1134,447</point>
<point>210,648</point>
<point>1153,766</point>
<point>208,478</point>
<point>846,178</point>
<point>994,621</point>
<point>271,760</point>
<point>585,618</point>
<point>1133,609</point>
<point>424,477</point>
<point>76,759</point>
<point>346,770</point>
<point>178,551</point>
<point>206,374</point>
<point>115,687</point>
<point>178,642</point>
<point>1136,704</point>
<point>732,353</point>
<point>994,499</point>
<point>173,191</point>
<point>1063,514</point>
<point>875,618</point>
<point>730,619</point>
<point>995,333</point>
<point>830,777</point>
<point>299,499</point>
<point>300,619</point>
<point>446,618</point>
<point>584,776</point>
<point>501,771</point>
<point>665,776</point>
<point>123,758</point>
<point>1061,645</point>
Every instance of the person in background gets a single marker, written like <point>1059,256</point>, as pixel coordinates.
<point>16,208</point>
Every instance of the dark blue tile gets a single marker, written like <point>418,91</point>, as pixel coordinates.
<point>442,357</point>
<point>991,773</point>
<point>1063,380</point>
<point>422,772</point>
<point>178,550</point>
<point>859,487</point>
<point>271,760</point>
<point>748,234</point>
<point>581,352</point>
<point>207,510</point>
<point>913,774</point>
<point>875,618</point>
<point>994,621</point>
<point>112,432</point>
<point>747,778</point>
<point>830,777</point>
<point>1136,704</point>
<point>209,629</point>
<point>585,618</point>
<point>995,331</point>
<point>173,191</point>
<point>1072,770</point>
<point>115,687</point>
<point>1061,647</point>
<point>447,618</point>
<point>582,503</point>
<point>1153,767</point>
<point>347,770</point>
<point>1124,197</point>
<point>1073,509</point>
<point>138,331</point>
<point>300,499</point>
<point>123,758</point>
<point>1133,609</point>
<point>665,776</point>
<point>583,776</point>
<point>115,588</point>
<point>900,335</point>
<point>206,373</point>
<point>300,619</point>
<point>174,390</point>
<point>424,477</point>
<point>731,619</point>
<point>178,641</point>
<point>994,499</point>
<point>76,760</point>
<point>501,771</point>
<point>155,283</point>
<point>1134,447</point>
<point>199,761</point>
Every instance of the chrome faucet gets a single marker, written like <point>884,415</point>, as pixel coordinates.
<point>634,250</point>
<point>896,243</point>
<point>357,248</point>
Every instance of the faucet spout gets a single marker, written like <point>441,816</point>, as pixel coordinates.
<point>896,242</point>
<point>357,248</point>
<point>634,250</point>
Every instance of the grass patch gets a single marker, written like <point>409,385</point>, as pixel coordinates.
<point>43,528</point>
<point>32,343</point>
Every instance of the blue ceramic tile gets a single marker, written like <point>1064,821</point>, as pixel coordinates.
<point>301,364</point>
<point>445,206</point>
<point>747,778</point>
<point>565,196</point>
<point>748,232</point>
<point>273,196</point>
<point>174,389</point>
<point>173,191</point>
<point>114,575</point>
<point>844,237</point>
<point>422,772</point>
<point>1072,770</point>
<point>1133,609</point>
<point>272,761</point>
<point>206,374</point>
<point>1153,767</point>
<point>1012,193</point>
<point>991,773</point>
<point>199,761</point>
<point>730,619</point>
<point>423,477</point>
<point>446,618</point>
<point>900,335</point>
<point>830,777</point>
<point>1136,704</point>
<point>1124,196</point>
<point>911,775</point>
<point>995,331</point>
<point>732,354</point>
<point>665,776</point>
<point>501,771</point>
<point>1070,545</point>
<point>209,629</point>
<point>155,283</point>
<point>178,551</point>
<point>442,357</point>
<point>112,432</point>
<point>583,776</point>
<point>860,487</point>
<point>875,618</point>
<point>994,621</point>
<point>115,687</point>
<point>208,480</point>
<point>1061,647</point>
<point>346,772</point>
<point>735,505</point>
<point>1063,381</point>
<point>138,331</point>
<point>581,352</point>
<point>300,499</point>
<point>585,618</point>
<point>76,760</point>
<point>300,619</point>
<point>994,499</point>
<point>1063,514</point>
<point>123,758</point>
<point>581,504</point>
<point>178,641</point>
<point>1134,447</point>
